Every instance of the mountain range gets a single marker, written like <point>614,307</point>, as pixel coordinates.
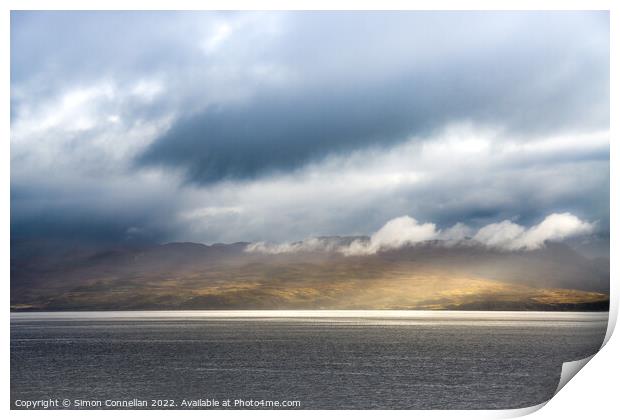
<point>428,275</point>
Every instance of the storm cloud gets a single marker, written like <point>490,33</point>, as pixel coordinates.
<point>274,126</point>
<point>357,79</point>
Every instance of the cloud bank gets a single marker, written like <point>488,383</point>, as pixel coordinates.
<point>511,236</point>
<point>407,231</point>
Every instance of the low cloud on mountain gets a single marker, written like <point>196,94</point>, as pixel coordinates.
<point>406,231</point>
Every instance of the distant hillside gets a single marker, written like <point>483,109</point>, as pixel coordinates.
<point>431,275</point>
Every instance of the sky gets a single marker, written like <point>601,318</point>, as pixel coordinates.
<point>279,126</point>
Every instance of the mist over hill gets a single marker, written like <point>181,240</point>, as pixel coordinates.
<point>311,274</point>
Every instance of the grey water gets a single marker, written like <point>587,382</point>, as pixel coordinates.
<point>323,359</point>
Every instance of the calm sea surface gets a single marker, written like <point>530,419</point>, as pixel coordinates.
<point>323,359</point>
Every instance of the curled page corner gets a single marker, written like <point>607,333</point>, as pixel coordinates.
<point>570,369</point>
<point>518,412</point>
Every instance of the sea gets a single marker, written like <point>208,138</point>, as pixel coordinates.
<point>294,359</point>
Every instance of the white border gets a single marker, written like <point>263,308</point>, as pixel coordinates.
<point>570,403</point>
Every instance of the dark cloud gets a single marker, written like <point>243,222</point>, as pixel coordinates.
<point>532,76</point>
<point>67,211</point>
<point>284,133</point>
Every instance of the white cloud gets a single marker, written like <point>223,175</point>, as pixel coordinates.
<point>221,32</point>
<point>396,233</point>
<point>307,245</point>
<point>84,130</point>
<point>147,89</point>
<point>72,111</point>
<point>555,227</point>
<point>206,212</point>
<point>511,236</point>
<point>406,231</point>
<point>456,233</point>
<point>501,235</point>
